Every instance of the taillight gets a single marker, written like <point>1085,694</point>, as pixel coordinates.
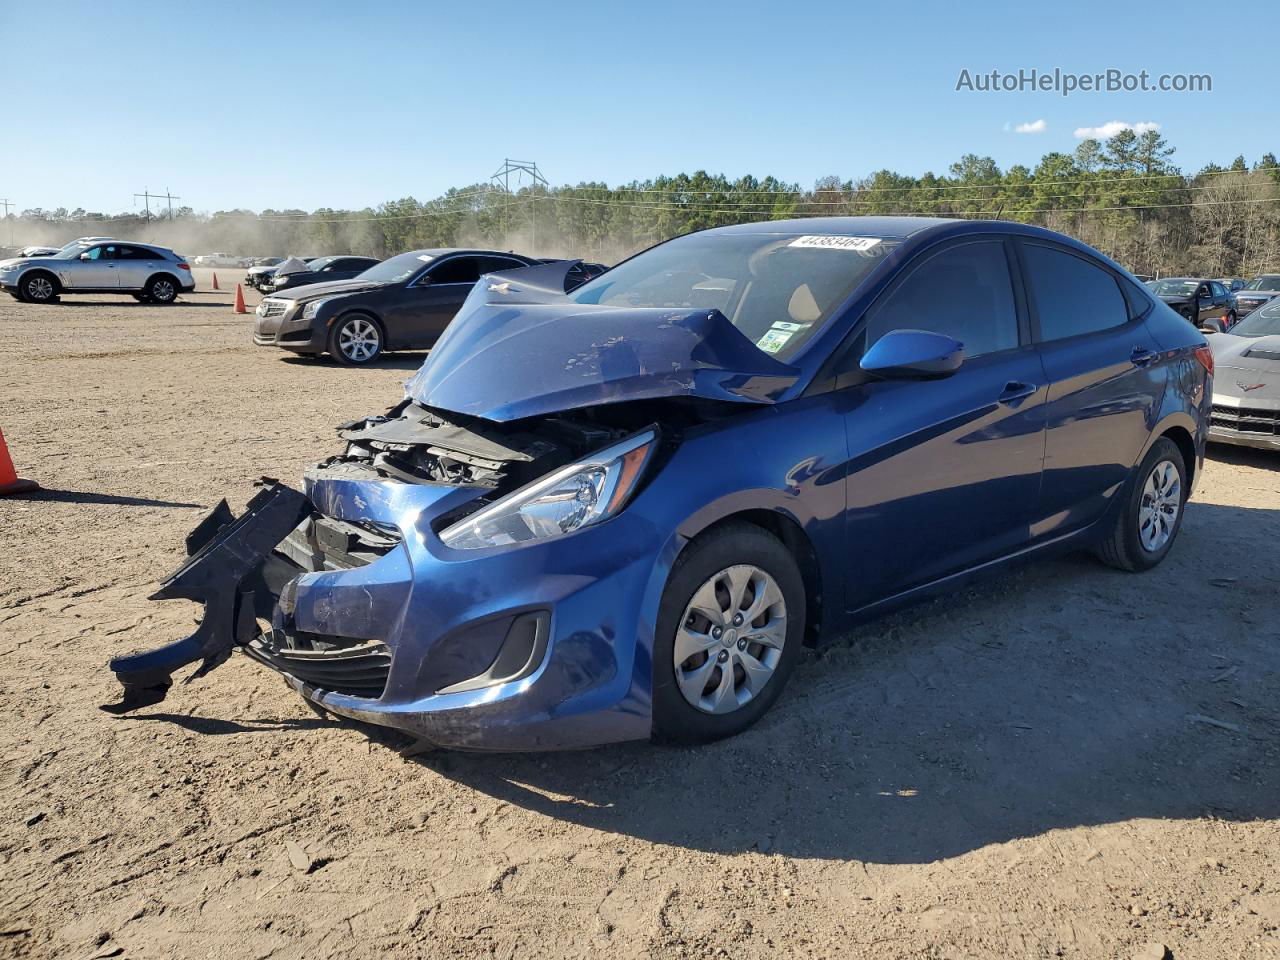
<point>183,266</point>
<point>1205,356</point>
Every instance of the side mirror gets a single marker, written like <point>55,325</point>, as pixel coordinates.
<point>913,355</point>
<point>85,256</point>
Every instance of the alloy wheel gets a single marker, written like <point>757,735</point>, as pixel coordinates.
<point>730,639</point>
<point>1161,503</point>
<point>359,340</point>
<point>162,291</point>
<point>39,288</point>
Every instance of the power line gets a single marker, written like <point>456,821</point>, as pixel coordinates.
<point>7,203</point>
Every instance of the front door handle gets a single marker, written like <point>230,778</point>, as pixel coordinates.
<point>1015,391</point>
<point>1141,356</point>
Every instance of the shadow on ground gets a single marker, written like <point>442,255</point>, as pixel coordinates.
<point>388,361</point>
<point>77,496</point>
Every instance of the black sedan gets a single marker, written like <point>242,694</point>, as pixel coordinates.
<point>1204,302</point>
<point>323,270</point>
<point>403,303</point>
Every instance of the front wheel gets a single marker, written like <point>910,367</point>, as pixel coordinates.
<point>730,628</point>
<point>355,340</point>
<point>1232,319</point>
<point>38,287</point>
<point>1150,518</point>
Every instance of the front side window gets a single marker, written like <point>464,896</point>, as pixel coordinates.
<point>964,292</point>
<point>778,289</point>
<point>99,253</point>
<point>1071,295</point>
<point>456,270</point>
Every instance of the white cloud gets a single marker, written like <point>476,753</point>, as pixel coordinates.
<point>1110,129</point>
<point>1035,126</point>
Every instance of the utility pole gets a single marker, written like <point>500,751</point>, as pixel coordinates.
<point>519,168</point>
<point>7,203</point>
<point>147,197</point>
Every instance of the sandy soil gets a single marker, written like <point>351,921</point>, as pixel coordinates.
<point>1072,762</point>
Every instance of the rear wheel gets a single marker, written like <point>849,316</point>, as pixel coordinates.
<point>1151,517</point>
<point>730,628</point>
<point>355,339</point>
<point>161,289</point>
<point>39,287</point>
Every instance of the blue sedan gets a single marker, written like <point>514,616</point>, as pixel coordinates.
<point>621,512</point>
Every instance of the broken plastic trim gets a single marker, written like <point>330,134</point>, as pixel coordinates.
<point>223,571</point>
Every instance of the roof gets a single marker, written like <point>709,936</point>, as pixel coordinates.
<point>886,227</point>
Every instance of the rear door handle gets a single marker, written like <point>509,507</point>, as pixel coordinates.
<point>1015,391</point>
<point>1141,356</point>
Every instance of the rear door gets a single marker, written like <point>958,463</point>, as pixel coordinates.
<point>945,474</point>
<point>1104,382</point>
<point>135,265</point>
<point>426,305</point>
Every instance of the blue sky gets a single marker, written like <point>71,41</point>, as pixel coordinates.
<point>349,104</point>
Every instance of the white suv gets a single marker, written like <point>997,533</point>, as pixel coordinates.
<point>152,274</point>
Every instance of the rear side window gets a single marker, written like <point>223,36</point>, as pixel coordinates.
<point>964,292</point>
<point>496,264</point>
<point>456,270</point>
<point>1219,290</point>
<point>1071,295</point>
<point>136,253</point>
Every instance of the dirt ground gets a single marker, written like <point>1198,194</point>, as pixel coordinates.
<point>1070,762</point>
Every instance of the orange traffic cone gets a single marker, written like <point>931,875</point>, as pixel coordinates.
<point>240,300</point>
<point>215,282</point>
<point>9,480</point>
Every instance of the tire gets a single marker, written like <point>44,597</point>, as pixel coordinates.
<point>161,289</point>
<point>39,287</point>
<point>1232,320</point>
<point>356,339</point>
<point>1130,544</point>
<point>741,558</point>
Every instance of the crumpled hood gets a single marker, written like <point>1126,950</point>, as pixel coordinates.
<point>520,348</point>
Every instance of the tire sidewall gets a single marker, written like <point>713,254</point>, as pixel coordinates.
<point>1143,559</point>
<point>340,323</point>
<point>674,718</point>
<point>149,291</point>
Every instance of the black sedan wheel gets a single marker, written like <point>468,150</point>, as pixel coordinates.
<point>355,340</point>
<point>730,629</point>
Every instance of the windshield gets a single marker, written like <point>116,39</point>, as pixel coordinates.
<point>397,269</point>
<point>71,250</point>
<point>1269,282</point>
<point>320,262</point>
<point>1174,288</point>
<point>1263,322</point>
<point>778,289</point>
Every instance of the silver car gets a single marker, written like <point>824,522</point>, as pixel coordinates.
<point>1246,381</point>
<point>152,274</point>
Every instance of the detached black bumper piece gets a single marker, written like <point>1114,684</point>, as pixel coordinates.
<point>225,572</point>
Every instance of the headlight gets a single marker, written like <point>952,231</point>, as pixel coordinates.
<point>573,497</point>
<point>313,307</point>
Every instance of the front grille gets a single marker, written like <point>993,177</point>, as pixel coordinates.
<point>273,308</point>
<point>357,670</point>
<point>1246,419</point>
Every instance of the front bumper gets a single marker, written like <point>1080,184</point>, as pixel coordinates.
<point>289,332</point>
<point>1245,422</point>
<point>423,622</point>
<point>1246,307</point>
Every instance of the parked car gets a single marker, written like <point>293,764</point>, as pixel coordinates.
<point>1257,292</point>
<point>322,270</point>
<point>1205,303</point>
<point>260,275</point>
<point>216,260</point>
<point>580,272</point>
<point>1246,386</point>
<point>1233,284</point>
<point>622,511</point>
<point>403,303</point>
<point>152,274</point>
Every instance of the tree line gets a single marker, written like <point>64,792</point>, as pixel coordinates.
<point>1124,196</point>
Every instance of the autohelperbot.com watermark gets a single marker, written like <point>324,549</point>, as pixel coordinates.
<point>1066,82</point>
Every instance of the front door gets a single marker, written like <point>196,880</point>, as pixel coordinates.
<point>96,269</point>
<point>944,474</point>
<point>429,303</point>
